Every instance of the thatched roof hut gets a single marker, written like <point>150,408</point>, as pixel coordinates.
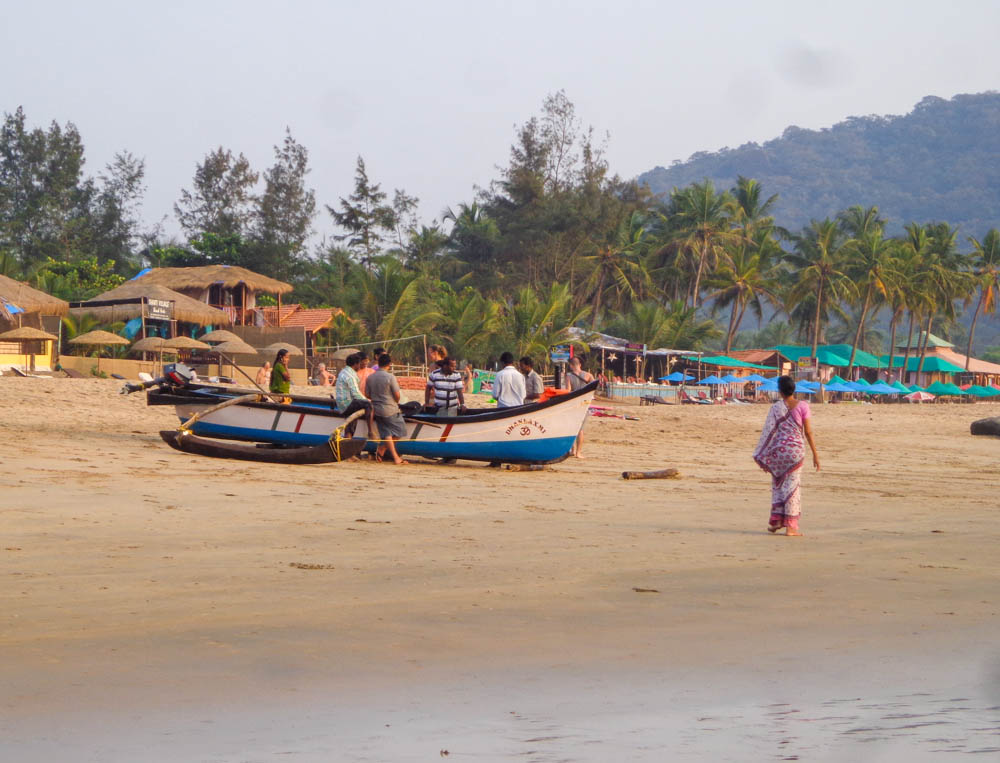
<point>186,309</point>
<point>201,278</point>
<point>18,294</point>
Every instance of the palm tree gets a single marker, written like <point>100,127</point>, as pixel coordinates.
<point>871,269</point>
<point>744,280</point>
<point>818,264</point>
<point>467,321</point>
<point>473,245</point>
<point>617,264</point>
<point>942,278</point>
<point>986,264</point>
<point>702,217</point>
<point>533,322</point>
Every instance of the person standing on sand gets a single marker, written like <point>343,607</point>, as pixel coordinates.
<point>508,385</point>
<point>781,452</point>
<point>281,380</point>
<point>383,389</point>
<point>264,375</point>
<point>576,378</point>
<point>533,384</point>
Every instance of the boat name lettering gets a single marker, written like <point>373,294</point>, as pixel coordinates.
<point>523,426</point>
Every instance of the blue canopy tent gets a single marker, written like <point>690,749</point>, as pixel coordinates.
<point>676,376</point>
<point>838,387</point>
<point>713,379</point>
<point>754,378</point>
<point>804,389</point>
<point>881,388</point>
<point>729,379</point>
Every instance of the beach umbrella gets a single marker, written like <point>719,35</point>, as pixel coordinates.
<point>919,396</point>
<point>839,387</point>
<point>291,348</point>
<point>857,387</point>
<point>150,344</point>
<point>804,388</point>
<point>863,382</point>
<point>713,379</point>
<point>900,386</point>
<point>836,380</point>
<point>98,339</point>
<point>26,334</point>
<point>185,343</point>
<point>221,335</point>
<point>940,388</point>
<point>754,378</point>
<point>978,391</point>
<point>916,388</point>
<point>729,379</point>
<point>879,388</point>
<point>230,348</point>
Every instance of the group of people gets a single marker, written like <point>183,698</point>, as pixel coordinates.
<point>374,391</point>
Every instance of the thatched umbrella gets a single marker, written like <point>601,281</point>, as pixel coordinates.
<point>186,309</point>
<point>185,343</point>
<point>290,348</point>
<point>221,335</point>
<point>150,344</point>
<point>26,334</point>
<point>17,294</point>
<point>98,339</point>
<point>235,347</point>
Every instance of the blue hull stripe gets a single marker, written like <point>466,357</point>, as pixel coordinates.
<point>548,449</point>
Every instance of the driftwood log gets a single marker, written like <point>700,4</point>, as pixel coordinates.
<point>659,474</point>
<point>987,426</point>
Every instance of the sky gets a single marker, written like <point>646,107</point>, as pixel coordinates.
<point>430,93</point>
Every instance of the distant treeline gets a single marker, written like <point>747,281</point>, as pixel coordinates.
<point>554,241</point>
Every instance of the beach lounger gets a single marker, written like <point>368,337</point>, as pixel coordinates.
<point>72,373</point>
<point>143,376</point>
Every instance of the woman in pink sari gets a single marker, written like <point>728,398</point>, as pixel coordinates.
<point>781,453</point>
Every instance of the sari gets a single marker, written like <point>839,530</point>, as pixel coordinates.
<point>781,452</point>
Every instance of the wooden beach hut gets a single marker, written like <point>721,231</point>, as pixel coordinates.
<point>229,288</point>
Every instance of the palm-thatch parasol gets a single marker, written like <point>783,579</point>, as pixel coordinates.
<point>290,348</point>
<point>186,309</point>
<point>26,334</point>
<point>226,276</point>
<point>185,343</point>
<point>221,335</point>
<point>233,347</point>
<point>22,298</point>
<point>150,344</point>
<point>98,339</point>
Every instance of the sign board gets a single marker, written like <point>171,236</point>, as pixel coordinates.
<point>561,353</point>
<point>159,309</point>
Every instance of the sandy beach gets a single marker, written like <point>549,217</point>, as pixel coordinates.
<point>140,583</point>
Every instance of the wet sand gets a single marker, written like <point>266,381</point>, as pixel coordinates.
<point>146,589</point>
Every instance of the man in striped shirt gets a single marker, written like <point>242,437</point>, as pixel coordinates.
<point>446,385</point>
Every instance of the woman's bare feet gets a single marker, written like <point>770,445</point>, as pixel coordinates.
<point>790,532</point>
<point>773,528</point>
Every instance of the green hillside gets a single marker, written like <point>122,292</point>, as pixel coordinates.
<point>940,162</point>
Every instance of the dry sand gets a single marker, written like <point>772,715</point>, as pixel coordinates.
<point>137,576</point>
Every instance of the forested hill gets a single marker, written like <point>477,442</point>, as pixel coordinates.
<point>940,162</point>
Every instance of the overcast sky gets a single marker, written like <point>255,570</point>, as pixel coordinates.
<point>429,93</point>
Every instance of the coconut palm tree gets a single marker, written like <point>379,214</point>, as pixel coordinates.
<point>817,263</point>
<point>532,322</point>
<point>702,217</point>
<point>617,264</point>
<point>745,280</point>
<point>870,267</point>
<point>986,267</point>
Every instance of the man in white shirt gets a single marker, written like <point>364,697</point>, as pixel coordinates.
<point>508,385</point>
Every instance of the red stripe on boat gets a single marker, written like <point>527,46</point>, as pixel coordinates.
<point>444,435</point>
<point>298,424</point>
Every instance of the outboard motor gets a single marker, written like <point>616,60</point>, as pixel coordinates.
<point>174,375</point>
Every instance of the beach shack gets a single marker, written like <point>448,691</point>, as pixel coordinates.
<point>228,288</point>
<point>148,309</point>
<point>941,363</point>
<point>23,306</point>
